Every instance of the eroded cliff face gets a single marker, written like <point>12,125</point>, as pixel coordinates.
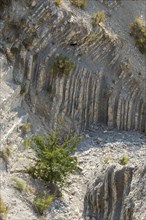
<point>113,195</point>
<point>104,85</point>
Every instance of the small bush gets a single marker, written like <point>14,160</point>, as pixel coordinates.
<point>42,202</point>
<point>54,156</point>
<point>99,17</point>
<point>58,2</point>
<point>138,32</point>
<point>19,184</point>
<point>62,65</point>
<point>124,160</point>
<point>79,3</point>
<point>3,209</point>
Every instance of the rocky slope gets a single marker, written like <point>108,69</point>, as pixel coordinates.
<point>107,85</point>
<point>100,150</point>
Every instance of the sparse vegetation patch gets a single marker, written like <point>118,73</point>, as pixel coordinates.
<point>25,127</point>
<point>5,154</point>
<point>42,202</point>
<point>3,209</point>
<point>62,65</point>
<point>99,17</point>
<point>19,183</point>
<point>138,32</point>
<point>124,160</point>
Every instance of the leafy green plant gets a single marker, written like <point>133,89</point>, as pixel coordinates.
<point>42,202</point>
<point>124,160</point>
<point>54,158</point>
<point>99,17</point>
<point>62,65</point>
<point>3,209</point>
<point>79,3</point>
<point>138,32</point>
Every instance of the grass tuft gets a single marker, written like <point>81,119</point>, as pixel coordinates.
<point>3,209</point>
<point>42,202</point>
<point>19,184</point>
<point>124,160</point>
<point>99,17</point>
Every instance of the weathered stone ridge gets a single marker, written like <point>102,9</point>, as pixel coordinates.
<point>102,87</point>
<point>113,196</point>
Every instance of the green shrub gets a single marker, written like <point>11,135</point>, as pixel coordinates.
<point>54,159</point>
<point>99,17</point>
<point>124,160</point>
<point>138,32</point>
<point>79,3</point>
<point>62,65</point>
<point>42,202</point>
<point>3,209</point>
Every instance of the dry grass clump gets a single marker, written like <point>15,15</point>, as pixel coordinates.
<point>79,3</point>
<point>99,17</point>
<point>19,184</point>
<point>3,209</point>
<point>138,32</point>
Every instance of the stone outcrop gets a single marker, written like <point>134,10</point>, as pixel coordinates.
<point>118,195</point>
<point>103,86</point>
